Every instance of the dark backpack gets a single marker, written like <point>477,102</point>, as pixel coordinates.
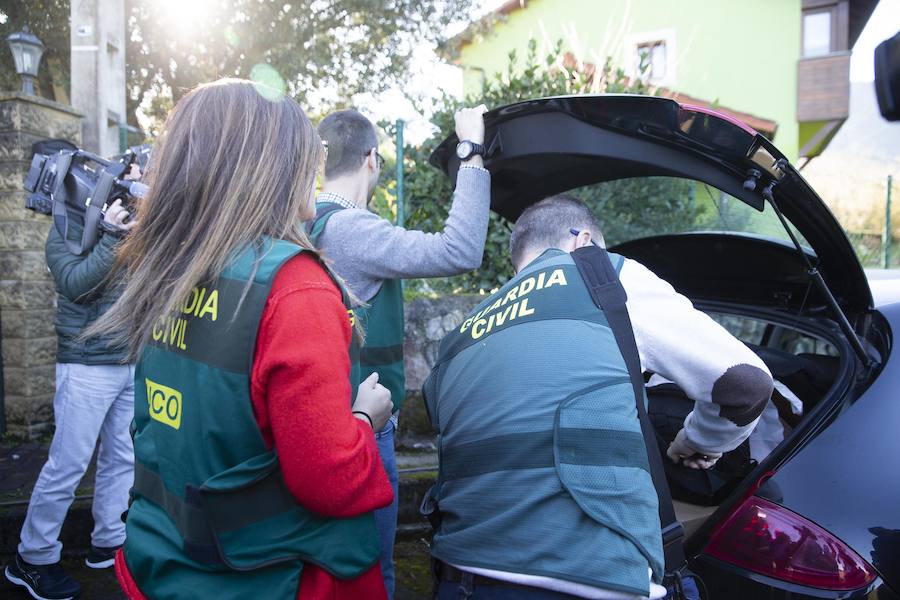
<point>668,406</point>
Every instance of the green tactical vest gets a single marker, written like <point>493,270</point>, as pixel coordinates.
<point>382,320</point>
<point>543,467</point>
<point>211,514</point>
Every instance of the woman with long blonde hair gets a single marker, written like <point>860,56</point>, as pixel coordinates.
<point>249,462</point>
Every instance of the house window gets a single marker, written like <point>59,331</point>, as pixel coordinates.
<point>651,61</point>
<point>818,33</point>
<point>650,56</point>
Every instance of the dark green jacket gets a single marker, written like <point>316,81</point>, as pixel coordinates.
<point>79,300</point>
<point>543,467</point>
<point>212,517</point>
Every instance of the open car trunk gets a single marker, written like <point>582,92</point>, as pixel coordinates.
<point>542,147</point>
<point>799,342</point>
<point>806,366</point>
<point>793,291</point>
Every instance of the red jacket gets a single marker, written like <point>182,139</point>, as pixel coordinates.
<point>301,398</point>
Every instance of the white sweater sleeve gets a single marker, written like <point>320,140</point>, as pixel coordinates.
<point>729,384</point>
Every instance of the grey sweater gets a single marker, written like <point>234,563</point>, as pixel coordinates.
<point>366,249</point>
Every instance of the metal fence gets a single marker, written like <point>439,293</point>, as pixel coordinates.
<point>873,251</point>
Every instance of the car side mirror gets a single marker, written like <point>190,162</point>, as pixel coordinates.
<point>887,77</point>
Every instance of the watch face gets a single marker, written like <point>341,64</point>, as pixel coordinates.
<point>464,150</point>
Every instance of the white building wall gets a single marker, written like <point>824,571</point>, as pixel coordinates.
<point>98,71</point>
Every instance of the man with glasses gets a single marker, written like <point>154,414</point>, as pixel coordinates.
<point>372,256</point>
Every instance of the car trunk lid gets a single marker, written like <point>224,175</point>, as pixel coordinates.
<point>541,147</point>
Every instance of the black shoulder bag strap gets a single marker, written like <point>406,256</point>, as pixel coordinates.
<point>606,290</point>
<point>93,211</point>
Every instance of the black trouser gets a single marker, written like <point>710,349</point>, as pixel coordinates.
<point>454,584</point>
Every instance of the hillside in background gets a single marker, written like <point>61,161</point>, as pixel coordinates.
<point>851,174</point>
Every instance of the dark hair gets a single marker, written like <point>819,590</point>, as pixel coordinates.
<point>229,153</point>
<point>546,224</point>
<point>349,137</point>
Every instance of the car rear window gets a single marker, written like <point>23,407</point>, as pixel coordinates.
<point>640,207</point>
<point>773,335</point>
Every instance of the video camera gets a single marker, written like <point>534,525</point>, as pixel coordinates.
<point>64,178</point>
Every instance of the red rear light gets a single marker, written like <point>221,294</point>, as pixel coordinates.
<point>769,539</point>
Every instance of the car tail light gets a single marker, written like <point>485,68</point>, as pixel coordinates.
<point>769,539</point>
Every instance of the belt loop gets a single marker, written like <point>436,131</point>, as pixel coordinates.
<point>466,588</point>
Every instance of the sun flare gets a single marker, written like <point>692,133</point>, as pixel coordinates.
<point>185,15</point>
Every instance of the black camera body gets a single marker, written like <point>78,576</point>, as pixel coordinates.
<point>64,179</point>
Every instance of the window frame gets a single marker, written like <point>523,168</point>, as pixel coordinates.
<point>651,46</point>
<point>631,49</point>
<point>832,11</point>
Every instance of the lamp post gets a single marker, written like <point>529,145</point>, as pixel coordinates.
<point>26,49</point>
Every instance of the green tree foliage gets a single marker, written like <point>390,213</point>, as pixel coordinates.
<point>665,204</point>
<point>324,50</point>
<point>633,208</point>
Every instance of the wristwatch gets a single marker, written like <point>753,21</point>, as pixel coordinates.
<point>466,150</point>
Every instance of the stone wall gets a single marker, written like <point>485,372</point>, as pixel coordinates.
<point>27,295</point>
<point>428,320</point>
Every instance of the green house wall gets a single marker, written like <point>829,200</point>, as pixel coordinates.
<point>736,53</point>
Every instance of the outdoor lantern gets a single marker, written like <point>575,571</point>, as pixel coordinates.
<point>27,51</point>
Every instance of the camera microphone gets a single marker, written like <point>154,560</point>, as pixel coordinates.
<point>138,189</point>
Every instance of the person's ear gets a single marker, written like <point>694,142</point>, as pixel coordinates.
<point>583,238</point>
<point>372,160</point>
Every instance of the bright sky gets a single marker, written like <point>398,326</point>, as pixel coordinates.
<point>884,23</point>
<point>430,76</point>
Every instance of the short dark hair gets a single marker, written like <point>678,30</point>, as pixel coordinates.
<point>546,224</point>
<point>349,137</point>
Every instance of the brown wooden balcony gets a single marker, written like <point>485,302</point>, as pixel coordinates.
<point>823,87</point>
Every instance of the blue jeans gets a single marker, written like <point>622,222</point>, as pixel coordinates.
<point>386,518</point>
<point>92,402</point>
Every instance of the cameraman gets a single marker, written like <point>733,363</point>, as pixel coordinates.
<point>94,398</point>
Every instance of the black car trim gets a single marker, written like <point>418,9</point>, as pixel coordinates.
<point>795,591</point>
<point>703,265</point>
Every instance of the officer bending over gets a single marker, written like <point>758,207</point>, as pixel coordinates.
<point>544,480</point>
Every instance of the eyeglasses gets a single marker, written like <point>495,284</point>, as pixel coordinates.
<point>577,232</point>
